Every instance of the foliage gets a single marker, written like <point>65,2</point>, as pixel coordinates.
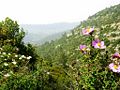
<point>15,56</point>
<point>86,58</point>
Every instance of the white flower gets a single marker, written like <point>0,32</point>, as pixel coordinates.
<point>5,64</point>
<point>4,53</point>
<point>1,49</point>
<point>1,56</point>
<point>7,75</point>
<point>20,58</point>
<point>9,54</point>
<point>23,56</point>
<point>48,73</point>
<point>116,49</point>
<point>96,36</point>
<point>29,57</point>
<point>17,49</point>
<point>14,62</point>
<point>5,59</point>
<point>88,49</point>
<point>16,55</point>
<point>104,34</point>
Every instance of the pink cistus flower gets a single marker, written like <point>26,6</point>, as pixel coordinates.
<point>116,55</point>
<point>114,67</point>
<point>98,44</point>
<point>88,31</point>
<point>83,48</point>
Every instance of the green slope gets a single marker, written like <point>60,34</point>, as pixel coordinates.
<point>106,21</point>
<point>64,53</point>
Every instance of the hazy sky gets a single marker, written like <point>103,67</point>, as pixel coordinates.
<point>51,11</point>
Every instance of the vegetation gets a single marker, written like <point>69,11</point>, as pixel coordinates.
<point>89,71</point>
<point>86,58</point>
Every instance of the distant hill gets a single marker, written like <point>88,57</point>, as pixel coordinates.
<point>40,33</point>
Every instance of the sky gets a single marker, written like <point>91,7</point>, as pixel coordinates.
<point>51,11</point>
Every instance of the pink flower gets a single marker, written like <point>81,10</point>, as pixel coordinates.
<point>116,55</point>
<point>98,44</point>
<point>83,48</point>
<point>88,31</point>
<point>114,67</point>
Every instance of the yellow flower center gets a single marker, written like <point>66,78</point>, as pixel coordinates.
<point>99,44</point>
<point>88,30</point>
<point>84,49</point>
<point>115,66</point>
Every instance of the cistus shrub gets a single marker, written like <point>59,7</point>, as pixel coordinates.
<point>99,69</point>
<point>15,56</point>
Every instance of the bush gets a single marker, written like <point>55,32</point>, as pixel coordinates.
<point>15,56</point>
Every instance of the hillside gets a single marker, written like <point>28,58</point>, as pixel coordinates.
<point>65,54</point>
<point>107,21</point>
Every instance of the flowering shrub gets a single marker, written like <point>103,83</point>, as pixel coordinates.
<point>88,31</point>
<point>15,56</point>
<point>114,67</point>
<point>92,65</point>
<point>98,44</point>
<point>11,62</point>
<point>97,62</point>
<point>116,55</point>
<point>88,65</point>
